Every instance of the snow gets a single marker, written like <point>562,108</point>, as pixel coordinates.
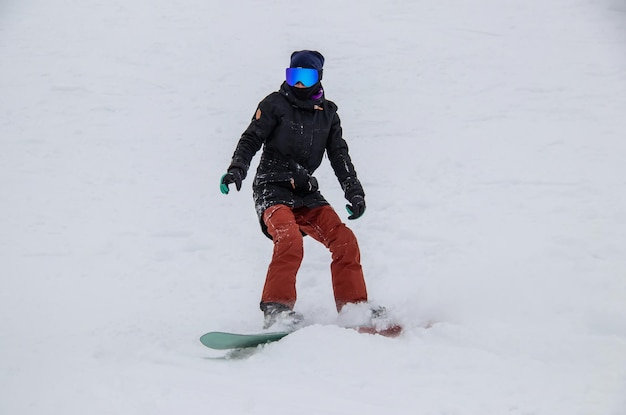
<point>489,137</point>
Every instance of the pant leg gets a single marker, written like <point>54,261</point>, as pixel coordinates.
<point>324,225</point>
<point>280,282</point>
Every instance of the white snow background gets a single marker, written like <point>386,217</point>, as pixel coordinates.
<point>490,139</point>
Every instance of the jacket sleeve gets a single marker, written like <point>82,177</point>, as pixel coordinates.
<point>337,150</point>
<point>261,126</point>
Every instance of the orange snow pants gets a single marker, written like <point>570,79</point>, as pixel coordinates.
<point>324,225</point>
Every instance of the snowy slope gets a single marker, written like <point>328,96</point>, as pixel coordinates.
<point>489,136</point>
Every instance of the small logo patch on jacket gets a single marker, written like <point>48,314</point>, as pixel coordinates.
<point>258,114</point>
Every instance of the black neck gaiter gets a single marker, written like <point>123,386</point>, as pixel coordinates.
<point>305,93</point>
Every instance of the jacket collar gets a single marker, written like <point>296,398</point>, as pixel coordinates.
<point>310,104</point>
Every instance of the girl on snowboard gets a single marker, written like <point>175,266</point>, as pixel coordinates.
<point>296,126</point>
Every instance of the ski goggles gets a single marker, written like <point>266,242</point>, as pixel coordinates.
<point>307,76</point>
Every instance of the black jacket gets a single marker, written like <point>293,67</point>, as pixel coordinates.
<point>294,134</point>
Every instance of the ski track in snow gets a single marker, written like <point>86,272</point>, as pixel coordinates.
<point>489,139</point>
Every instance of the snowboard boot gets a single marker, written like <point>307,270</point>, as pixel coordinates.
<point>279,317</point>
<point>382,323</point>
<point>379,318</point>
<point>369,318</point>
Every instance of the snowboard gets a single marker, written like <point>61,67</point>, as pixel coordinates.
<point>224,341</point>
<point>391,331</point>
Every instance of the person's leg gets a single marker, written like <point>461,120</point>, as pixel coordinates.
<point>324,225</point>
<point>280,282</point>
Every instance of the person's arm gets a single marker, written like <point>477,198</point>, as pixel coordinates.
<point>261,126</point>
<point>337,150</point>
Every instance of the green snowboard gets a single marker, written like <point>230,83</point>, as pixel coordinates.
<point>224,341</point>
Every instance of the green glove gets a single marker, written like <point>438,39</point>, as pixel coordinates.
<point>234,175</point>
<point>357,207</point>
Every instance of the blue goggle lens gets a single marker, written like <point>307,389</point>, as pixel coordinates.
<point>307,76</point>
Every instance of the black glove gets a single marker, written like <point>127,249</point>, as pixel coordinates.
<point>357,207</point>
<point>234,175</point>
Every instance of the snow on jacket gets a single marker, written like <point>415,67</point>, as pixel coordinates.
<point>294,134</point>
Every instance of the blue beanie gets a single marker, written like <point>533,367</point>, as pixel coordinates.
<point>307,59</point>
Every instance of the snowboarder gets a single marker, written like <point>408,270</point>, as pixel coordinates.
<point>296,126</point>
